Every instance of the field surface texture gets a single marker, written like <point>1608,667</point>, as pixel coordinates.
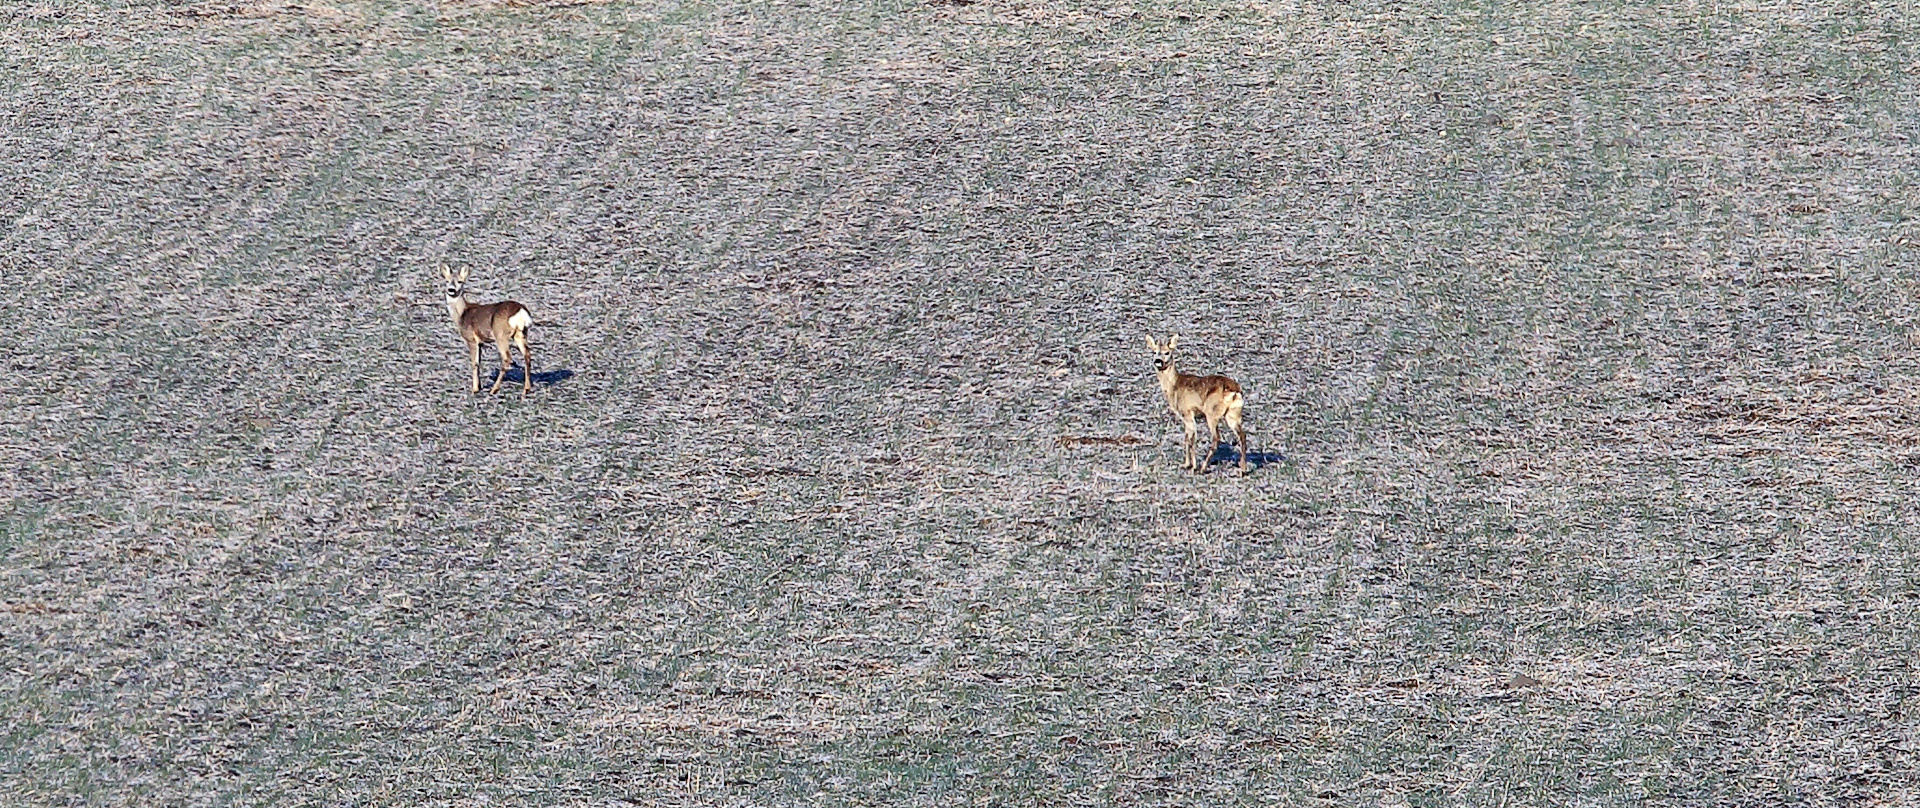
<point>1578,340</point>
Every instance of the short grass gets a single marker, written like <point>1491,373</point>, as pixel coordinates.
<point>1580,338</point>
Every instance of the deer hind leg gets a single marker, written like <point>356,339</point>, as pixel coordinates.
<point>506,360</point>
<point>1213,429</point>
<point>1240,430</point>
<point>526,358</point>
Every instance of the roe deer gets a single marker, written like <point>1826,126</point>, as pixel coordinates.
<point>504,323</point>
<point>1215,397</point>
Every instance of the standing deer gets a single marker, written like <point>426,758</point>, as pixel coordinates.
<point>504,323</point>
<point>1215,397</point>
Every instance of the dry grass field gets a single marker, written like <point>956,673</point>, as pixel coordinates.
<point>1579,341</point>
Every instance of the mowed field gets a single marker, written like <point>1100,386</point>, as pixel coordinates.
<point>1579,343</point>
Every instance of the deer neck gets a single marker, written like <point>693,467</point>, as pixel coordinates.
<point>456,306</point>
<point>1168,379</point>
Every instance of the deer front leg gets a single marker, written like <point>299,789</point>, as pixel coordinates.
<point>1193,437</point>
<point>473,363</point>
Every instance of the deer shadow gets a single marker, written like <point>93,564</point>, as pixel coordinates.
<point>1225,454</point>
<point>518,375</point>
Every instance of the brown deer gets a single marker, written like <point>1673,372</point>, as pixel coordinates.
<point>504,323</point>
<point>1216,397</point>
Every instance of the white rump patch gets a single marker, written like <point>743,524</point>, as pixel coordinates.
<point>520,320</point>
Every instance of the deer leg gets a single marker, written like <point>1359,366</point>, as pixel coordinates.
<point>1240,429</point>
<point>526,358</point>
<point>1213,429</point>
<point>506,359</point>
<point>1192,437</point>
<point>473,363</point>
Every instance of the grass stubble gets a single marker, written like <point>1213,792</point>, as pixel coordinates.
<point>1586,334</point>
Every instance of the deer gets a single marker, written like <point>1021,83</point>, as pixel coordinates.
<point>504,324</point>
<point>1215,397</point>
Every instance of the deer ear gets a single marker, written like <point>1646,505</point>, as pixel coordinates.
<point>1151,345</point>
<point>463,273</point>
<point>1172,341</point>
<point>446,273</point>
